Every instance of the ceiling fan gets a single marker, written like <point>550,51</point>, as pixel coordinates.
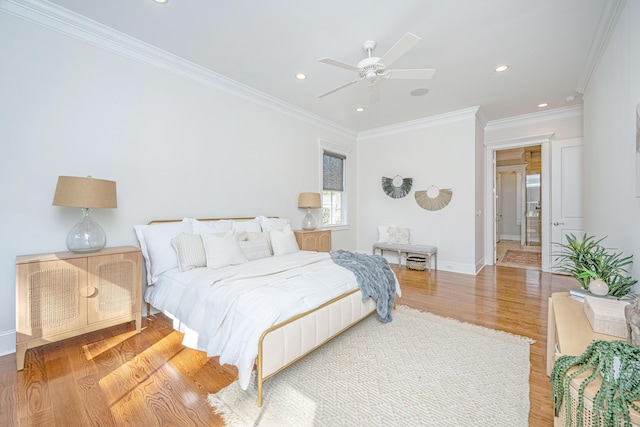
<point>372,67</point>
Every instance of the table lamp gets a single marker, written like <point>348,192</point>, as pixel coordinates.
<point>309,201</point>
<point>86,193</point>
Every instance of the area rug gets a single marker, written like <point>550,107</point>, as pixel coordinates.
<point>529,258</point>
<point>418,370</point>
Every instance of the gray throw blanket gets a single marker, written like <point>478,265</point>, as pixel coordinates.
<point>375,277</point>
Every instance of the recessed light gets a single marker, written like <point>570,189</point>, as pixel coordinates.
<point>360,109</point>
<point>502,68</point>
<point>544,104</point>
<point>161,1</point>
<point>419,92</point>
<point>570,98</point>
<point>301,76</point>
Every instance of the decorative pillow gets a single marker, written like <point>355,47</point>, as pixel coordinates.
<point>268,223</point>
<point>254,245</point>
<point>383,233</point>
<point>222,250</point>
<point>283,241</point>
<point>155,244</point>
<point>190,251</point>
<point>398,236</point>
<point>219,226</point>
<point>252,225</point>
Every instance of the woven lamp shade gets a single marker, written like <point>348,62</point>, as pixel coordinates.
<point>85,192</point>
<point>309,200</point>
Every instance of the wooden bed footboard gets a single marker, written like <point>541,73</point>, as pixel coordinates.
<point>306,332</point>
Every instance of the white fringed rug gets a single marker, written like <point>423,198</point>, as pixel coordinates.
<point>419,370</point>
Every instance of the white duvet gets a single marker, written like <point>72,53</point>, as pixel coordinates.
<point>229,308</point>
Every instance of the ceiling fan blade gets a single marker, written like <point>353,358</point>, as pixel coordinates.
<point>417,74</point>
<point>338,88</point>
<point>340,64</point>
<point>400,48</point>
<point>374,93</point>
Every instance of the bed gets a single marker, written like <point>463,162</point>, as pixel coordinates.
<point>241,289</point>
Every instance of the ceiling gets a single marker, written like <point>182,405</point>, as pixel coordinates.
<point>263,44</point>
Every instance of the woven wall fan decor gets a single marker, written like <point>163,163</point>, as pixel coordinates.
<point>433,198</point>
<point>396,187</point>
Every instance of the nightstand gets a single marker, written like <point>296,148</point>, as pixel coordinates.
<point>64,294</point>
<point>314,240</point>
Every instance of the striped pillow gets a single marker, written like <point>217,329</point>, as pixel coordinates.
<point>190,250</point>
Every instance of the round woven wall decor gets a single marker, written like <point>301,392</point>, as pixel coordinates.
<point>433,202</point>
<point>396,187</point>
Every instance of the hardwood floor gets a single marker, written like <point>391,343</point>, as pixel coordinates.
<point>116,377</point>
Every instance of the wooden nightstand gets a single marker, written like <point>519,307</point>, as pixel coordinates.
<point>63,294</point>
<point>314,240</point>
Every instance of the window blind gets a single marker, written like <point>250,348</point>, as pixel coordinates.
<point>332,171</point>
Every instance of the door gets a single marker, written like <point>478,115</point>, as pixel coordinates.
<point>498,208</point>
<point>566,192</point>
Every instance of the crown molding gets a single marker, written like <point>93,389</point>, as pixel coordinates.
<point>611,13</point>
<point>54,17</point>
<point>426,122</point>
<point>533,118</point>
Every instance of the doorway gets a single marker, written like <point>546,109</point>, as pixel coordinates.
<point>537,227</point>
<point>518,207</point>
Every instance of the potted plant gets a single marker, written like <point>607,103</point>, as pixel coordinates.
<point>587,260</point>
<point>617,364</point>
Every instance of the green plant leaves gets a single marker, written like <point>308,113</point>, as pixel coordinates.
<point>587,259</point>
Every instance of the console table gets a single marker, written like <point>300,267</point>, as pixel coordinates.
<point>570,333</point>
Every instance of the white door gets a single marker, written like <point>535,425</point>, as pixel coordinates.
<point>566,192</point>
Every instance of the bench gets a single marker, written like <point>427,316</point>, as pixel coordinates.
<point>430,252</point>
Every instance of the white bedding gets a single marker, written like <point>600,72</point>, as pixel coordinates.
<point>230,307</point>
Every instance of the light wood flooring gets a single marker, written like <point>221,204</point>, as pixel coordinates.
<point>116,377</point>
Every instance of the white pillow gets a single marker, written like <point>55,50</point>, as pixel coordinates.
<point>222,250</point>
<point>283,241</point>
<point>252,225</point>
<point>190,251</point>
<point>398,236</point>
<point>254,245</point>
<point>268,223</point>
<point>219,226</point>
<point>155,244</point>
<point>383,233</point>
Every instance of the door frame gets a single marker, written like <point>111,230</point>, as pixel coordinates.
<point>490,148</point>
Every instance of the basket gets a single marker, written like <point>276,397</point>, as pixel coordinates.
<point>417,263</point>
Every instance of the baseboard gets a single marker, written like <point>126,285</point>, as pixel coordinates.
<point>7,342</point>
<point>515,237</point>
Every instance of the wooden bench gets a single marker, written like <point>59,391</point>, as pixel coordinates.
<point>430,252</point>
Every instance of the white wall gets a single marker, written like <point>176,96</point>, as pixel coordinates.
<point>175,147</point>
<point>440,152</point>
<point>611,206</point>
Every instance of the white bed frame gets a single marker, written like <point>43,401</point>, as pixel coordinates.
<point>283,344</point>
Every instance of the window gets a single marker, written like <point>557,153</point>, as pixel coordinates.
<point>333,188</point>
